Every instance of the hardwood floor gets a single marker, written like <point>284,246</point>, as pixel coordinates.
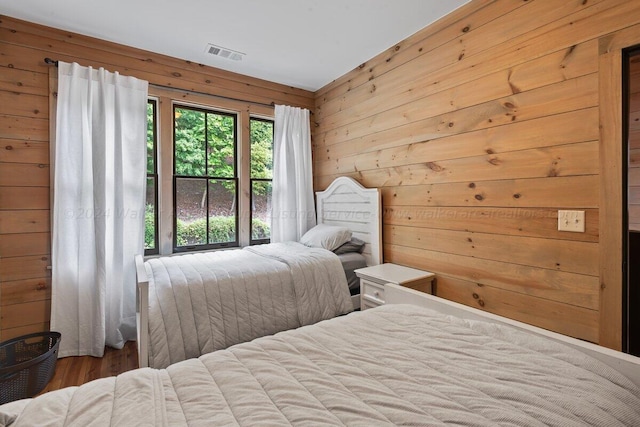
<point>73,371</point>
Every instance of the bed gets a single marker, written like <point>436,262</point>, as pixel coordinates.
<point>196,303</point>
<point>397,364</point>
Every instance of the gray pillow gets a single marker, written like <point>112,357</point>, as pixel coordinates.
<point>353,245</point>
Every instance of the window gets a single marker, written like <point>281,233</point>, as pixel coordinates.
<point>151,207</point>
<point>205,179</point>
<point>209,172</point>
<point>261,138</point>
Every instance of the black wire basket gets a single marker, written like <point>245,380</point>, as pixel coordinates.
<point>27,364</point>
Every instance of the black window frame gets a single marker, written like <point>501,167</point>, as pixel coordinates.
<point>154,175</point>
<point>207,178</point>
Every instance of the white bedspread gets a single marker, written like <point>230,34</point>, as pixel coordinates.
<point>391,365</point>
<point>207,301</point>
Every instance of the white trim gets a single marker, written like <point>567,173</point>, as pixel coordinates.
<point>348,204</point>
<point>142,312</point>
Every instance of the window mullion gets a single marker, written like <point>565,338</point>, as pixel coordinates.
<point>243,174</point>
<point>206,173</point>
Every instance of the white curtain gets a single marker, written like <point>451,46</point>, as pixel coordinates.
<point>292,207</point>
<point>99,161</point>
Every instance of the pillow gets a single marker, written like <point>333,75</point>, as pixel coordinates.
<point>325,236</point>
<point>353,245</point>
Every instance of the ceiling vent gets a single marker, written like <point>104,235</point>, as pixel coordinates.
<point>223,52</point>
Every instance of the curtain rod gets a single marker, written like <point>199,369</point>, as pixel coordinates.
<point>50,61</point>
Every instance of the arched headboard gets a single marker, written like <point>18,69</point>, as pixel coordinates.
<point>348,204</point>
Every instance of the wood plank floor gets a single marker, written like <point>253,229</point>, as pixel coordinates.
<point>73,371</point>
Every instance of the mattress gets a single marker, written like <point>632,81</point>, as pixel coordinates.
<point>392,365</point>
<point>352,261</point>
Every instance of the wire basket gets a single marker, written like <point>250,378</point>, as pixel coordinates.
<point>27,364</point>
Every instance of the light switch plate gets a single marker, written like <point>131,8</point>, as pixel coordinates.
<point>571,221</point>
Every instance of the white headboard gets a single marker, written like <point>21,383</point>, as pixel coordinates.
<point>348,204</point>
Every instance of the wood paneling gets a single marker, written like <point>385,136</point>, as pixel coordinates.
<point>574,94</point>
<point>566,319</point>
<point>25,105</point>
<point>478,129</point>
<point>16,151</point>
<point>24,314</point>
<point>567,64</point>
<point>24,267</point>
<point>610,65</point>
<point>24,174</point>
<point>544,132</point>
<point>25,95</point>
<point>24,221</point>
<point>529,222</point>
<point>569,288</point>
<point>19,81</point>
<point>10,333</point>
<point>22,291</point>
<point>17,198</point>
<point>413,167</point>
<point>18,244</point>
<point>565,192</point>
<point>633,180</point>
<point>528,251</point>
<point>23,128</point>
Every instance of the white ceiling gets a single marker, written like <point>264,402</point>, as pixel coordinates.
<point>301,43</point>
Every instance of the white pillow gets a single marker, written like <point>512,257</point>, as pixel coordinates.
<point>325,236</point>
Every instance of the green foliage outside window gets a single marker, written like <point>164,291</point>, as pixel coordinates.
<point>149,227</point>
<point>221,228</point>
<point>189,160</point>
<point>150,137</point>
<point>190,141</point>
<point>261,149</point>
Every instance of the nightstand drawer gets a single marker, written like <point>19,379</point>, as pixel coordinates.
<point>374,278</point>
<point>371,293</point>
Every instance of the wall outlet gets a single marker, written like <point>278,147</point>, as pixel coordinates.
<point>571,221</point>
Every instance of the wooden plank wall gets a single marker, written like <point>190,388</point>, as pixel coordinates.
<point>634,144</point>
<point>478,129</point>
<point>25,285</point>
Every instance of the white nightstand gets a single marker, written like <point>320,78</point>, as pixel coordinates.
<point>372,280</point>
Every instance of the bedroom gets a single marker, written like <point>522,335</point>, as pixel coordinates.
<point>477,129</point>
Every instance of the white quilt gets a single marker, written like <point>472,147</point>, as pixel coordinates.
<point>202,302</point>
<point>393,365</point>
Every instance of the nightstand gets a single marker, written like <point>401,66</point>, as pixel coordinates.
<point>372,280</point>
